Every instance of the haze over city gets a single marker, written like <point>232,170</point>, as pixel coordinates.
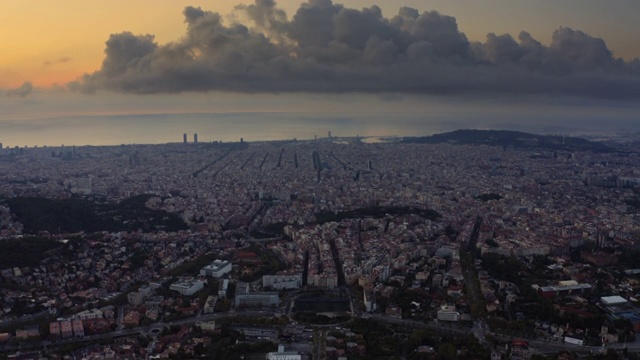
<point>320,180</point>
<point>83,73</point>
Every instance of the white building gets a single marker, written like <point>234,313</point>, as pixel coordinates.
<point>217,269</point>
<point>90,314</point>
<point>283,355</point>
<point>613,300</point>
<point>574,341</point>
<point>448,313</point>
<point>187,287</point>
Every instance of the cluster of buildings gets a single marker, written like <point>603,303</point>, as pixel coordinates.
<point>245,297</point>
<point>545,190</point>
<point>528,202</point>
<point>99,269</point>
<point>66,328</point>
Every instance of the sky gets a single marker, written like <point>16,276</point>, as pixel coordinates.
<point>74,59</point>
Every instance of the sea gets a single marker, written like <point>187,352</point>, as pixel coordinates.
<point>266,126</point>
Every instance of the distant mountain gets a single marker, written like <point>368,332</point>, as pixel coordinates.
<point>514,139</point>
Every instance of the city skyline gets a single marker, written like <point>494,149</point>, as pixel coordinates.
<point>329,178</point>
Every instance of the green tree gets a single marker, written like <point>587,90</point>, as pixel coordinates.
<point>447,351</point>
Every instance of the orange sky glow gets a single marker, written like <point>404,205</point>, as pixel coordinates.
<point>54,42</point>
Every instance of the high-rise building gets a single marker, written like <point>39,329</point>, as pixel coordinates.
<point>329,134</point>
<point>184,138</point>
<point>195,138</point>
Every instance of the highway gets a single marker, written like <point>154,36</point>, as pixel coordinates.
<point>537,346</point>
<point>142,330</point>
<point>479,329</point>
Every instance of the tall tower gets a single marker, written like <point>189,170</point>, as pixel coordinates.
<point>184,138</point>
<point>195,138</point>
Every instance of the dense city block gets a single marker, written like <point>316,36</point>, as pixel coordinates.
<point>335,248</point>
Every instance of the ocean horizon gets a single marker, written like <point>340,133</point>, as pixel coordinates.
<point>268,126</point>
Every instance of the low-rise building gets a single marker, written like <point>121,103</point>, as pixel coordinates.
<point>562,289</point>
<point>54,328</point>
<point>244,297</point>
<point>90,314</point>
<point>281,354</point>
<point>280,282</point>
<point>187,286</point>
<point>66,329</point>
<point>217,269</point>
<point>206,325</point>
<point>448,313</point>
<point>31,332</point>
<point>78,328</point>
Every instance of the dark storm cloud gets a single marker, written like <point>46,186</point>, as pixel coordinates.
<point>264,13</point>
<point>22,91</point>
<point>326,47</point>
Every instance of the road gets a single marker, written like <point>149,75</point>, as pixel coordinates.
<point>143,330</point>
<point>479,329</point>
<point>537,346</point>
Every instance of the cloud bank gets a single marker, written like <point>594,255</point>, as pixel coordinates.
<point>326,47</point>
<point>22,91</point>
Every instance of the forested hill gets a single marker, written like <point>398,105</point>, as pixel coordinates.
<point>77,214</point>
<point>515,139</point>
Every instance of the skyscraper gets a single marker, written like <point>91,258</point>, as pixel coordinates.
<point>195,138</point>
<point>184,138</point>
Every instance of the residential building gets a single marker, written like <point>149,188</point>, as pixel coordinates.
<point>280,282</point>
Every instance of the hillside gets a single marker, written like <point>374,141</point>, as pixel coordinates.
<point>77,214</point>
<point>514,139</point>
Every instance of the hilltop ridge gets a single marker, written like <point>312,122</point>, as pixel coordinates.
<point>515,139</point>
